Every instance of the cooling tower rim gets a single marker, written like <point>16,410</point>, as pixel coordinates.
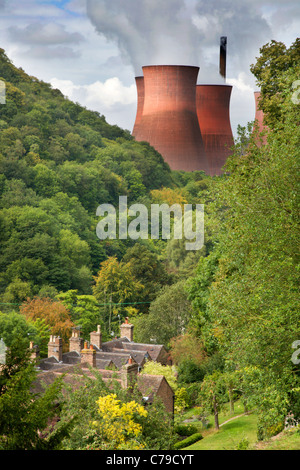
<point>215,84</point>
<point>171,65</point>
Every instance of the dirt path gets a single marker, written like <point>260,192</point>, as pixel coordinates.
<point>235,417</point>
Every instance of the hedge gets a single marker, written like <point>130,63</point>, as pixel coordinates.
<point>188,441</point>
<point>186,429</point>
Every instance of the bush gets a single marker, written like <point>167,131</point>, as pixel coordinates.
<point>188,441</point>
<point>186,429</point>
<point>243,444</point>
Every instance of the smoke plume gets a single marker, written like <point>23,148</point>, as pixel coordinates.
<point>184,32</point>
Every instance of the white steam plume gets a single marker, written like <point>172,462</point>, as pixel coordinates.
<point>185,32</point>
<point>148,32</point>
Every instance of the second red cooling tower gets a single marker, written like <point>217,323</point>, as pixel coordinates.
<point>213,103</point>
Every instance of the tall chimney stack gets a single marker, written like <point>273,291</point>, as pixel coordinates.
<point>223,53</point>
<point>96,338</point>
<point>55,347</point>
<point>126,330</point>
<point>75,342</point>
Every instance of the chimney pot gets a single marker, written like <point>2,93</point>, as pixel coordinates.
<point>88,355</point>
<point>96,338</point>
<point>55,347</point>
<point>126,330</point>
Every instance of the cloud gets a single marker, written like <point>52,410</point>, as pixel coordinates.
<point>44,34</point>
<point>65,53</point>
<point>97,95</point>
<point>110,98</point>
<point>33,9</point>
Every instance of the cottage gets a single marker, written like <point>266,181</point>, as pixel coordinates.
<point>120,359</point>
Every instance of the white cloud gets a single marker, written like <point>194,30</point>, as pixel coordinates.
<point>110,98</point>
<point>44,34</point>
<point>240,83</point>
<point>98,95</point>
<point>242,103</point>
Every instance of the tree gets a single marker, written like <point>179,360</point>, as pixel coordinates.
<point>157,430</point>
<point>84,311</point>
<point>252,300</point>
<point>212,395</point>
<point>54,313</point>
<point>272,71</point>
<point>116,284</point>
<point>13,325</point>
<point>25,416</point>
<point>169,315</point>
<point>117,427</point>
<point>150,270</point>
<point>187,347</point>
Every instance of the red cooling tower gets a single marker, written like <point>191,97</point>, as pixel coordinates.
<point>140,102</point>
<point>259,120</point>
<point>169,121</point>
<point>213,113</point>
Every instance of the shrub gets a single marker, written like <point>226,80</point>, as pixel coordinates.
<point>188,441</point>
<point>186,429</point>
<point>243,444</point>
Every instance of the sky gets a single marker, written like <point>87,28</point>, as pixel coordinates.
<point>92,50</point>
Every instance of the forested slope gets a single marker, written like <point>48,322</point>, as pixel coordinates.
<point>58,162</point>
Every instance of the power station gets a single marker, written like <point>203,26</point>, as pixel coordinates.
<point>169,119</point>
<point>187,123</point>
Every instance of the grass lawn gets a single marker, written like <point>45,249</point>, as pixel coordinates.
<point>238,428</point>
<point>287,440</point>
<point>241,428</point>
<point>229,435</point>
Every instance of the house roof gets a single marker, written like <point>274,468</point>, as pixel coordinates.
<point>152,349</point>
<point>149,385</point>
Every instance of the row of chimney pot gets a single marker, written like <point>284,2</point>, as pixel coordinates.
<point>76,343</point>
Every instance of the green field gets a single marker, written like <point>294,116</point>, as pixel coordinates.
<point>230,435</point>
<point>239,432</point>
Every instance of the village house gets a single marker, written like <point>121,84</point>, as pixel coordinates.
<point>120,359</point>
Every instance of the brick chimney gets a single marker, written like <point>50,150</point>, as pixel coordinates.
<point>129,374</point>
<point>34,350</point>
<point>126,330</point>
<point>96,338</point>
<point>55,347</point>
<point>88,354</point>
<point>75,342</point>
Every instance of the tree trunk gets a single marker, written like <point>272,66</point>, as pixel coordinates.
<point>216,413</point>
<point>230,393</point>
